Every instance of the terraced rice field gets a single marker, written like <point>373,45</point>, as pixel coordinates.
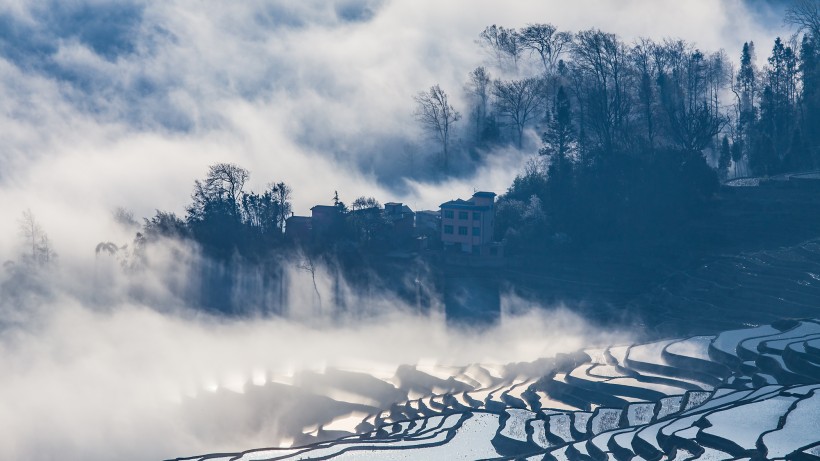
<point>751,393</point>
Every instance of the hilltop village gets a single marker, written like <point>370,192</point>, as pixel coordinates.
<point>465,255</point>
<point>458,226</point>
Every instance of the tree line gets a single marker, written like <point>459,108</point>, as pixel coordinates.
<point>634,136</point>
<point>223,218</point>
<point>642,96</point>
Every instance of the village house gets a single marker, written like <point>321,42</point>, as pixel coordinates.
<point>297,228</point>
<point>394,225</point>
<point>401,218</point>
<point>324,216</point>
<point>320,222</point>
<point>428,227</point>
<point>467,225</point>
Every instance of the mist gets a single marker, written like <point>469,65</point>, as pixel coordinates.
<point>85,379</point>
<point>123,104</point>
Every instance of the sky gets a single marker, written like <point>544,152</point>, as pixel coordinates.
<point>107,104</point>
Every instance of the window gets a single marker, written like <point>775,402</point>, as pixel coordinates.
<point>462,230</point>
<point>448,214</point>
<point>476,231</point>
<point>463,215</point>
<point>448,229</point>
<point>476,215</point>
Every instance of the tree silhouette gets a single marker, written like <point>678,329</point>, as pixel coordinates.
<point>520,101</point>
<point>437,116</point>
<point>547,42</point>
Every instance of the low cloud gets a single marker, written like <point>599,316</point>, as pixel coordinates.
<point>90,375</point>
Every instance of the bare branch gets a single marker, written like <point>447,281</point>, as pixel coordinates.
<point>505,44</point>
<point>805,15</point>
<point>519,101</point>
<point>437,116</point>
<point>547,42</point>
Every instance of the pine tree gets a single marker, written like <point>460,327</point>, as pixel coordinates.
<point>747,90</point>
<point>775,126</point>
<point>561,146</point>
<point>559,139</point>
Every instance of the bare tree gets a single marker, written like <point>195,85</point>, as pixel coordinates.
<point>38,247</point>
<point>547,42</point>
<point>504,44</point>
<point>224,183</point>
<point>601,69</point>
<point>686,96</point>
<point>643,59</point>
<point>805,15</point>
<point>437,116</point>
<point>31,232</point>
<point>479,88</point>
<point>719,76</point>
<point>520,101</point>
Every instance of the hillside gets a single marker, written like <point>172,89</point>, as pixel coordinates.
<point>754,258</point>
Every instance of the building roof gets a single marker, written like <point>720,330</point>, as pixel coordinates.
<point>298,219</point>
<point>429,212</point>
<point>403,209</point>
<point>463,205</point>
<point>469,204</point>
<point>325,208</point>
